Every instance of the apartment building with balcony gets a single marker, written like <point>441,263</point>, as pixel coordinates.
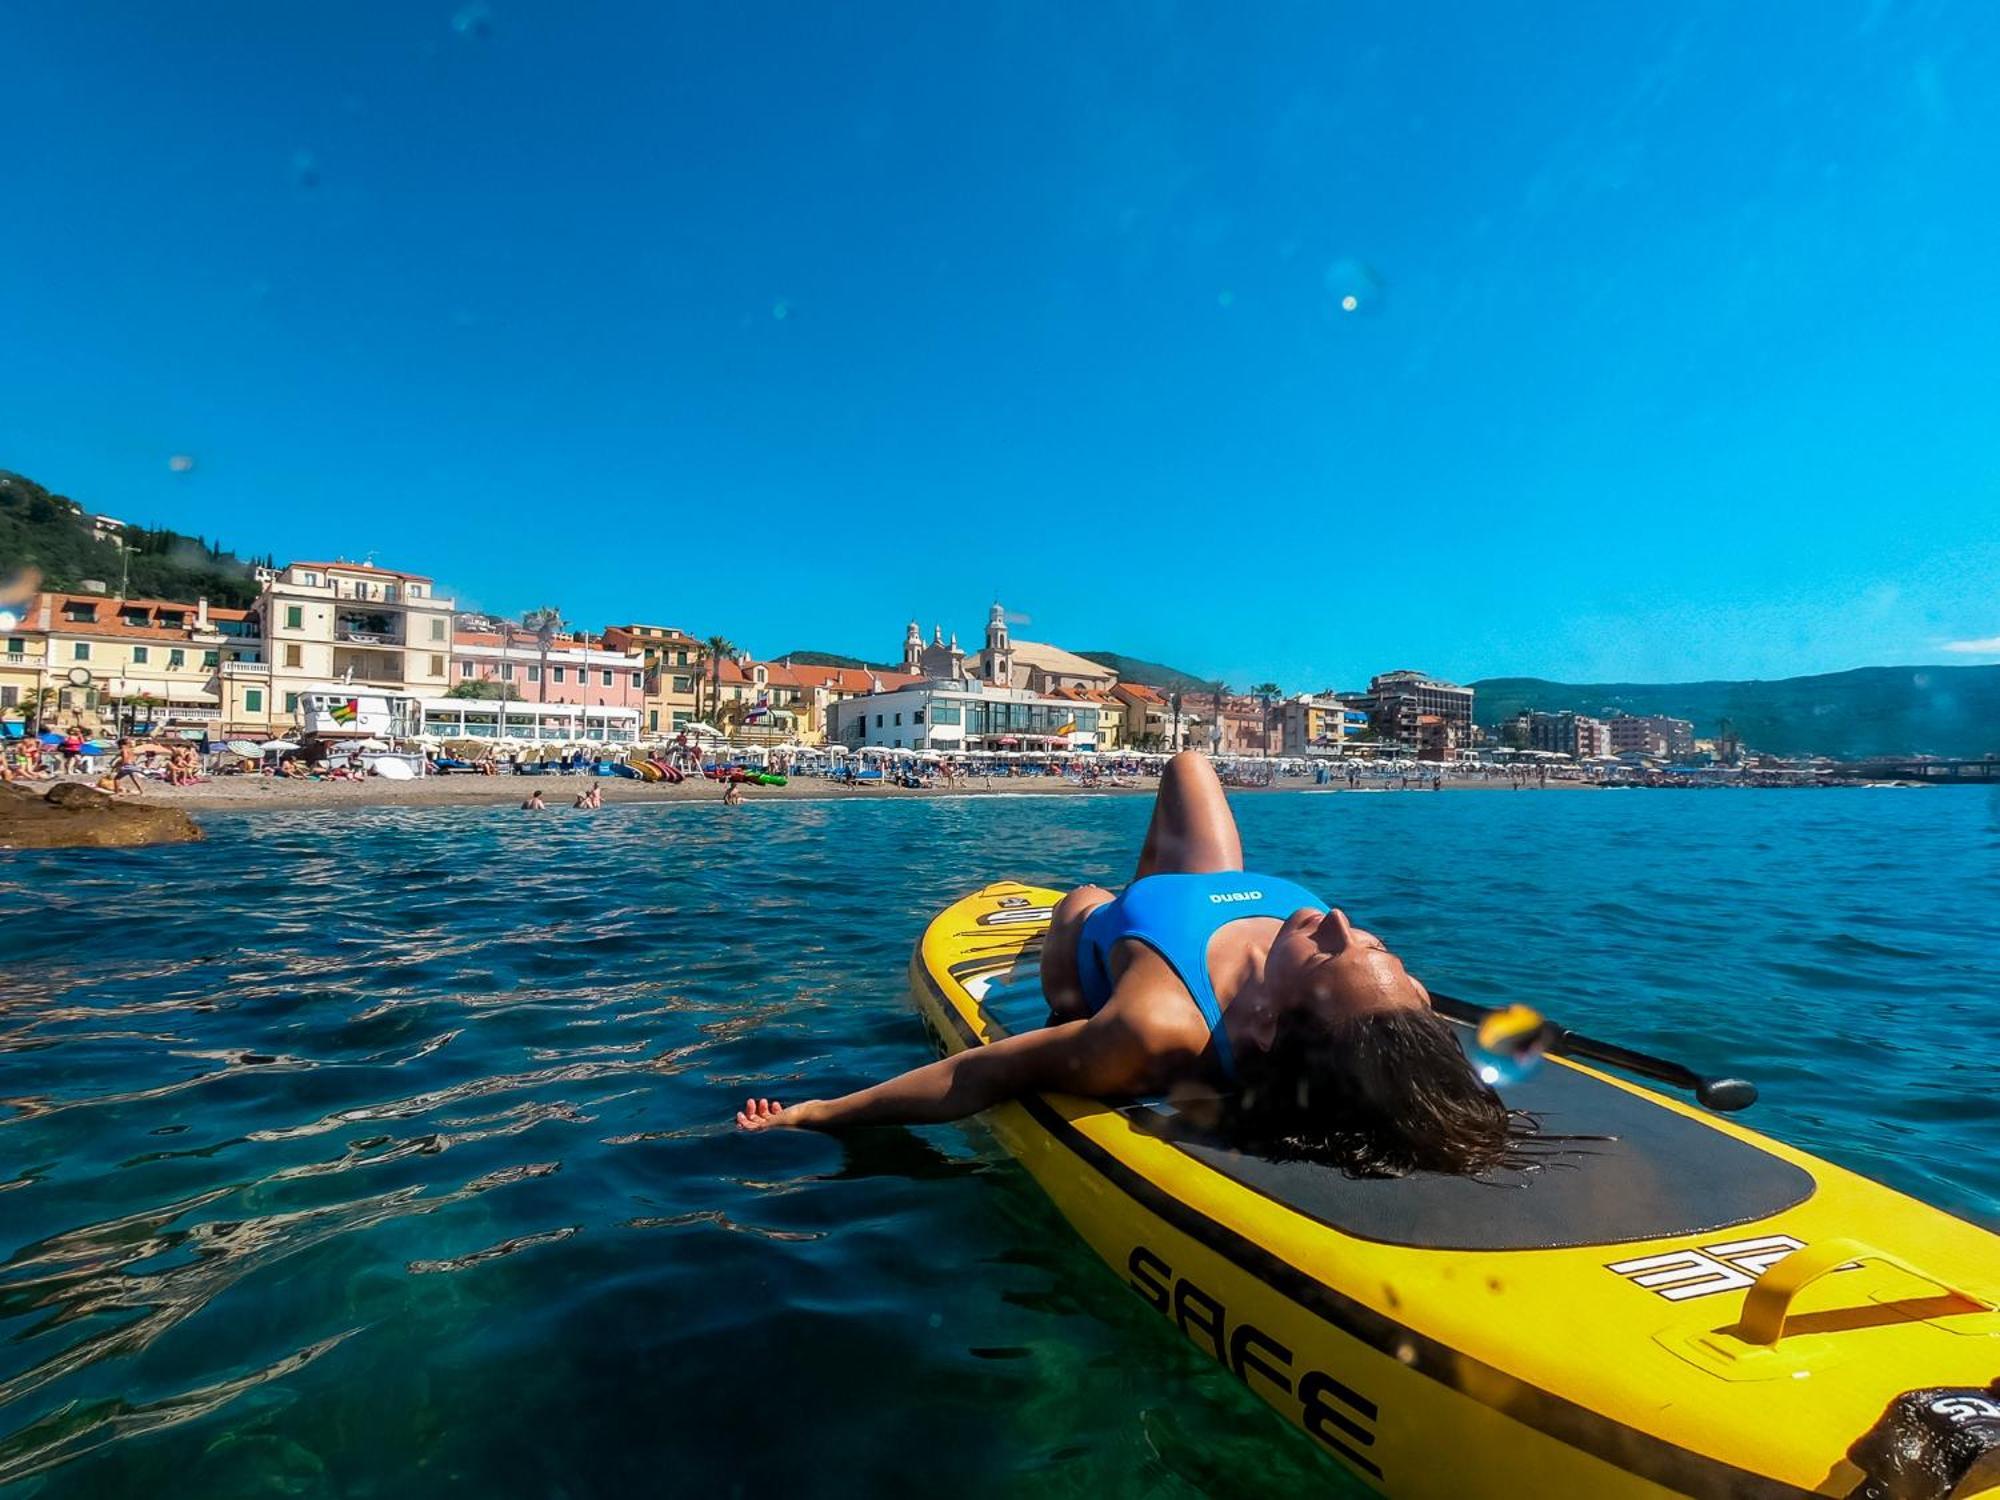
<point>570,670</point>
<point>103,661</point>
<point>337,622</point>
<point>1397,703</point>
<point>1318,724</point>
<point>672,662</point>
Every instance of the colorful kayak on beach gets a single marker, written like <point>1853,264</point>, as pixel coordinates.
<point>1669,1305</point>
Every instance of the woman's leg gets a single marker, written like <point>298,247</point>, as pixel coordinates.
<point>1062,983</point>
<point>1193,832</point>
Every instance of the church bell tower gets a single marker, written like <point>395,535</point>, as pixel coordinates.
<point>999,655</point>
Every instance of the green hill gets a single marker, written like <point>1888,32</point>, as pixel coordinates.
<point>1870,711</point>
<point>52,535</point>
<point>1148,673</point>
<point>824,659</point>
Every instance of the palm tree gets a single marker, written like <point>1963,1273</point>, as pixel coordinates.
<point>1267,693</point>
<point>547,623</point>
<point>713,651</point>
<point>1215,730</point>
<point>37,706</point>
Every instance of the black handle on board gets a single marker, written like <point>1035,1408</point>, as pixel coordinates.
<point>1725,1094</point>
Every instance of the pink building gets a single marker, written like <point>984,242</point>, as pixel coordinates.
<point>572,670</point>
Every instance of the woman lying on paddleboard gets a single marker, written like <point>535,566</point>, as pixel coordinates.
<point>1317,1040</point>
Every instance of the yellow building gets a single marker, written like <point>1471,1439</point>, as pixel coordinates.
<point>102,662</point>
<point>673,667</point>
<point>1110,711</point>
<point>778,701</point>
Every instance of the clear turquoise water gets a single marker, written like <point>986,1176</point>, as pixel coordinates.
<point>387,1153</point>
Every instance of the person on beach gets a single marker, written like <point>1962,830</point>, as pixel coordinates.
<point>127,769</point>
<point>1241,993</point>
<point>534,802</point>
<point>732,795</point>
<point>591,798</point>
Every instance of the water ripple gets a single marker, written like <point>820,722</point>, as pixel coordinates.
<point>415,1123</point>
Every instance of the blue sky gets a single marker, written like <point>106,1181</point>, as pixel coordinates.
<point>1673,352</point>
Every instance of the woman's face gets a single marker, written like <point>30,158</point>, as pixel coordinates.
<point>1321,962</point>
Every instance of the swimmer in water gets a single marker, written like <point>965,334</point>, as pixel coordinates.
<point>534,802</point>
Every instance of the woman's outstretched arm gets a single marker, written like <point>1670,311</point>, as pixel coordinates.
<point>1101,1057</point>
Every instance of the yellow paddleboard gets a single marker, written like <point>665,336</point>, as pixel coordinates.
<point>1670,1305</point>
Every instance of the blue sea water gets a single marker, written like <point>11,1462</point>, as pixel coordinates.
<point>388,1153</point>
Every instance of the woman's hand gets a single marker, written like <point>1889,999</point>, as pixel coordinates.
<point>764,1114</point>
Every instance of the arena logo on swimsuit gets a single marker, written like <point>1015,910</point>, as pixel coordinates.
<point>1338,1416</point>
<point>1219,897</point>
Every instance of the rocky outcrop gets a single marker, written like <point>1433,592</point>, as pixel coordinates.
<point>74,816</point>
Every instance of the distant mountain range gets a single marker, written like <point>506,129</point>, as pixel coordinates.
<point>1951,711</point>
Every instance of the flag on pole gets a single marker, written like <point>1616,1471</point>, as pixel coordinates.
<point>344,713</point>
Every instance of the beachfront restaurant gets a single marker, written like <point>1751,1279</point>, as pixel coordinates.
<point>961,718</point>
<point>549,723</point>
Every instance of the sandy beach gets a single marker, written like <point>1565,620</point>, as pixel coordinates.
<point>249,793</point>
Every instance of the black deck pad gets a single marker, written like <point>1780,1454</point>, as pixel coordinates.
<point>1634,1171</point>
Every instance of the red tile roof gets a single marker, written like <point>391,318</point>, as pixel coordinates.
<point>45,613</point>
<point>833,679</point>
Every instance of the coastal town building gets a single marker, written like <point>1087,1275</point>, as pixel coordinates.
<point>1396,703</point>
<point>949,718</point>
<point>336,624</point>
<point>1152,721</point>
<point>1576,735</point>
<point>1228,723</point>
<point>1651,734</point>
<point>105,662</point>
<point>1003,662</point>
<point>782,701</point>
<point>1318,724</point>
<point>672,662</point>
<point>512,660</point>
<point>1110,715</point>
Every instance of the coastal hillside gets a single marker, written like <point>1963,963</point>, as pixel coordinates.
<point>55,536</point>
<point>1870,711</point>
<point>1149,673</point>
<point>823,659</point>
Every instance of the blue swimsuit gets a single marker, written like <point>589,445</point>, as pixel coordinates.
<point>1175,916</point>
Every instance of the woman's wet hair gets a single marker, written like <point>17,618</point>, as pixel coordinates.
<point>1381,1094</point>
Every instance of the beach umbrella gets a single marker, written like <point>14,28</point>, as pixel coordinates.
<point>242,747</point>
<point>49,737</point>
<point>277,747</point>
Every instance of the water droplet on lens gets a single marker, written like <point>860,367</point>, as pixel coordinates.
<point>19,587</point>
<point>1354,286</point>
<point>1225,299</point>
<point>305,169</point>
<point>1510,1044</point>
<point>474,20</point>
<point>781,310</point>
<point>181,463</point>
